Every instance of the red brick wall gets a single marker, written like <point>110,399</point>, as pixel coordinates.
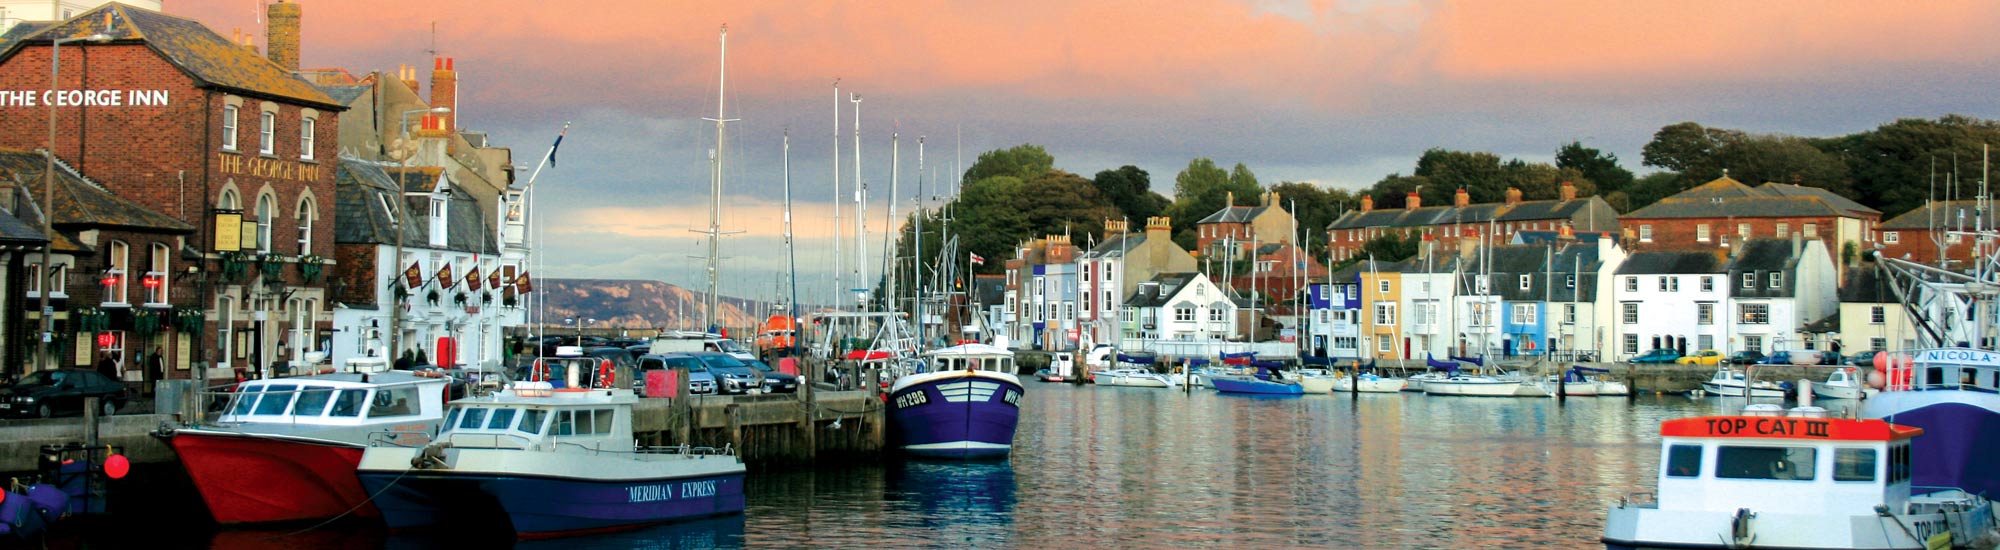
<point>1917,246</point>
<point>1681,232</point>
<point>356,264</point>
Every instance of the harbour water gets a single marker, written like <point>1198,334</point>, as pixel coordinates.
<point>1105,467</point>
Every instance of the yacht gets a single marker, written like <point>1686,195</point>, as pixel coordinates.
<point>1728,382</point>
<point>1140,378</point>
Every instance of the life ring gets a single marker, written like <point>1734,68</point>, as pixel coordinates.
<point>606,375</point>
<point>540,372</point>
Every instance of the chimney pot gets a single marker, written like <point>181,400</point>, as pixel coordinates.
<point>1413,201</point>
<point>1367,203</point>
<point>1513,196</point>
<point>1568,191</point>
<point>444,92</point>
<point>1461,199</point>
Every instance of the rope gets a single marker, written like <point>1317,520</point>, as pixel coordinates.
<point>365,502</point>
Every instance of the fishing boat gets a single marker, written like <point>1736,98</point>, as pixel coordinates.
<point>1047,375</point>
<point>1728,382</point>
<point>1842,384</point>
<point>1138,378</point>
<point>548,462</point>
<point>1582,381</point>
<point>965,406</point>
<point>1769,478</point>
<point>285,449</point>
<point>1315,381</point>
<point>1953,394</point>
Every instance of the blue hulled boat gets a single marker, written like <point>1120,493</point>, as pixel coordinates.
<point>1954,395</point>
<point>549,462</point>
<point>1262,383</point>
<point>966,406</point>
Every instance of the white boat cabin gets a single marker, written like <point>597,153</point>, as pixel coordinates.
<point>338,399</point>
<point>537,418</point>
<point>1802,462</point>
<point>972,357</point>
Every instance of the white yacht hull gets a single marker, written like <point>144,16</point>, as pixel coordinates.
<point>1840,391</point>
<point>1736,390</point>
<point>1636,527</point>
<point>1369,385</point>
<point>1475,388</point>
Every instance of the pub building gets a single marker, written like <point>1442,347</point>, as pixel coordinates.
<point>214,167</point>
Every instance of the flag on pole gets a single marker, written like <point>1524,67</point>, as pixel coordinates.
<point>414,275</point>
<point>472,278</point>
<point>444,276</point>
<point>977,259</point>
<point>493,279</point>
<point>558,145</point>
<point>523,284</point>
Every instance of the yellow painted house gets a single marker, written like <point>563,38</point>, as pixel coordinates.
<point>1381,320</point>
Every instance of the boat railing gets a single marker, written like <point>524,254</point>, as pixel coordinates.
<point>471,440</point>
<point>725,450</point>
<point>1641,499</point>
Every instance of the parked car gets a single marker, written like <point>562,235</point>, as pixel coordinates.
<point>695,342</point>
<point>701,381</point>
<point>624,342</point>
<point>48,393</point>
<point>1661,356</point>
<point>735,375</point>
<point>1746,357</point>
<point>639,349</point>
<point>1776,358</point>
<point>774,381</point>
<point>1863,358</point>
<point>618,356</point>
<point>1831,358</point>
<point>1707,357</point>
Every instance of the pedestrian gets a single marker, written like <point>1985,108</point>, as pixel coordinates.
<point>107,366</point>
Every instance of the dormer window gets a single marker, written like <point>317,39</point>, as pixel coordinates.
<point>1777,279</point>
<point>440,217</point>
<point>1749,281</point>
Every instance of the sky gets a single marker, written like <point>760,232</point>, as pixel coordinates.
<point>1337,93</point>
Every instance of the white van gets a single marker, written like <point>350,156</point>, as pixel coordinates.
<point>690,341</point>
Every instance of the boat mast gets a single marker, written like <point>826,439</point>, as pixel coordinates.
<point>860,214</point>
<point>791,254</point>
<point>890,265</point>
<point>839,271</point>
<point>917,252</point>
<point>714,231</point>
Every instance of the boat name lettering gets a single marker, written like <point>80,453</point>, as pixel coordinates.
<point>698,488</point>
<point>1930,527</point>
<point>1013,398</point>
<point>911,399</point>
<point>1959,355</point>
<point>1768,426</point>
<point>650,493</point>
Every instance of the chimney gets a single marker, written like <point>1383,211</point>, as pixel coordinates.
<point>1513,196</point>
<point>1566,232</point>
<point>1230,201</point>
<point>1798,243</point>
<point>408,75</point>
<point>1271,198</point>
<point>1113,228</point>
<point>1367,203</point>
<point>1413,202</point>
<point>1159,227</point>
<point>1461,199</point>
<point>282,36</point>
<point>1568,192</point>
<point>444,91</point>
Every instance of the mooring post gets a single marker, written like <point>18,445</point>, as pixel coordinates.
<point>733,415</point>
<point>1632,379</point>
<point>682,421</point>
<point>90,421</point>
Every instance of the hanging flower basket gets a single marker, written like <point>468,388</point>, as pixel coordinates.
<point>233,266</point>
<point>510,301</point>
<point>400,293</point>
<point>269,264</point>
<point>432,297</point>
<point>459,299</point>
<point>189,320</point>
<point>310,267</point>
<point>485,297</point>
<point>91,319</point>
<point>146,322</point>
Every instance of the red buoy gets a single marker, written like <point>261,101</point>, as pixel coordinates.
<point>117,466</point>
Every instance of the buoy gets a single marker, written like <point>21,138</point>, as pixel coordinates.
<point>117,466</point>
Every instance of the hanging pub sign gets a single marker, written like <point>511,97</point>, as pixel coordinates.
<point>414,276</point>
<point>228,230</point>
<point>472,278</point>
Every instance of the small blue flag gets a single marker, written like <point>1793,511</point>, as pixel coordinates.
<point>558,145</point>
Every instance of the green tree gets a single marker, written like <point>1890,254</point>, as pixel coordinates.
<point>1202,189</point>
<point>1024,161</point>
<point>1689,149</point>
<point>1650,189</point>
<point>1392,246</point>
<point>1480,174</point>
<point>988,221</point>
<point>1393,191</point>
<point>1892,165</point>
<point>1597,166</point>
<point>1131,190</point>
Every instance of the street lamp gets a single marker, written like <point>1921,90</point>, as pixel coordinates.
<point>48,197</point>
<point>396,309</point>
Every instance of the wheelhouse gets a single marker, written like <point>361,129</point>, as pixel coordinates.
<point>320,400</point>
<point>1802,461</point>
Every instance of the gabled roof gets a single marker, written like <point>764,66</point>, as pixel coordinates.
<point>1162,286</point>
<point>346,94</point>
<point>1235,214</point>
<point>1673,262</point>
<point>1953,214</point>
<point>199,52</point>
<point>1776,189</point>
<point>1764,255</point>
<point>81,203</point>
<point>21,30</point>
<point>1116,246</point>
<point>1545,210</point>
<point>359,215</point>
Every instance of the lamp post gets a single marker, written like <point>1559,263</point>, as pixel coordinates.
<point>48,198</point>
<point>396,309</point>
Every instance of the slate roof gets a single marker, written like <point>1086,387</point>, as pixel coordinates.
<point>1725,197</point>
<point>1673,262</point>
<point>990,290</point>
<point>187,44</point>
<point>1548,237</point>
<point>1944,214</point>
<point>361,219</point>
<point>80,203</point>
<point>1865,285</point>
<point>1165,285</point>
<point>1468,214</point>
<point>346,95</point>
<point>1761,257</point>
<point>21,30</point>
<point>1116,246</point>
<point>13,230</point>
<point>1235,214</point>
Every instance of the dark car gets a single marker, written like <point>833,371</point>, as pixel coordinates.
<point>62,391</point>
<point>624,342</point>
<point>774,381</point>
<point>1863,358</point>
<point>1830,358</point>
<point>1659,356</point>
<point>1776,358</point>
<point>1745,357</point>
<point>550,343</point>
<point>700,380</point>
<point>639,349</point>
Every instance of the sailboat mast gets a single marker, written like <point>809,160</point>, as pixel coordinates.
<point>715,184</point>
<point>860,212</point>
<point>791,254</point>
<point>890,298</point>
<point>917,252</point>
<point>839,271</point>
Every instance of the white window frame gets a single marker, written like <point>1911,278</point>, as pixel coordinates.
<point>1811,230</point>
<point>162,265</point>
<point>267,135</point>
<point>1701,233</point>
<point>120,263</point>
<point>1878,315</point>
<point>1891,237</point>
<point>35,279</point>
<point>1183,315</point>
<point>1784,230</point>
<point>1525,282</point>
<point>1524,314</point>
<point>1749,281</point>
<point>1704,313</point>
<point>229,126</point>
<point>1630,312</point>
<point>1707,283</point>
<point>307,125</point>
<point>1755,314</point>
<point>1569,314</point>
<point>1777,279</point>
<point>1384,284</point>
<point>267,213</point>
<point>1385,314</point>
<point>1631,343</point>
<point>1631,284</point>
<point>308,209</point>
<point>1646,233</point>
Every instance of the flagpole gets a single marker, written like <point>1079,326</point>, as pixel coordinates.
<point>534,239</point>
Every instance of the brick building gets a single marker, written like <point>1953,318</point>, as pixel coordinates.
<point>1580,216</point>
<point>176,119</point>
<point>1936,228</point>
<point>1727,211</point>
<point>1240,226</point>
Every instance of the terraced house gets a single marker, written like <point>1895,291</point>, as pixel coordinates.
<point>1725,211</point>
<point>1495,222</point>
